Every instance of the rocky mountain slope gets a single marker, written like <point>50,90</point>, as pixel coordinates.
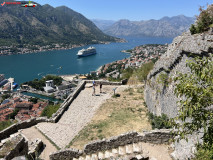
<point>103,24</point>
<point>165,27</point>
<point>44,25</point>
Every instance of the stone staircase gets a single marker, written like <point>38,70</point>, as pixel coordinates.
<point>131,151</point>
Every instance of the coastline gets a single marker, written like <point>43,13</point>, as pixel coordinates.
<point>130,53</point>
<point>54,49</point>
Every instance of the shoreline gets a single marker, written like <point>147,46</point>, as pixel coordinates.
<point>58,48</point>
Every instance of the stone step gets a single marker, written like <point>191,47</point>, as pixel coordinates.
<point>107,154</point>
<point>122,150</point>
<point>101,155</point>
<point>137,147</point>
<point>115,151</point>
<point>94,157</point>
<point>88,157</point>
<point>81,158</point>
<point>139,156</point>
<point>129,149</point>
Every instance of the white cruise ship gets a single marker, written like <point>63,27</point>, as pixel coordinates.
<point>86,52</point>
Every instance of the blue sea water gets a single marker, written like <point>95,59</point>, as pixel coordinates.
<point>30,66</point>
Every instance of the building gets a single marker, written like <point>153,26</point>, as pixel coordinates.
<point>23,105</point>
<point>63,86</point>
<point>49,86</point>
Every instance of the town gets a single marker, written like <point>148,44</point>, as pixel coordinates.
<point>139,55</point>
<point>20,106</point>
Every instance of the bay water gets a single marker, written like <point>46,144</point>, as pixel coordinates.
<point>27,67</point>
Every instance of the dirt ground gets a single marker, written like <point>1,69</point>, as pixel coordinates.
<point>116,116</point>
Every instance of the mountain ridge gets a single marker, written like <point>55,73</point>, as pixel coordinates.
<point>44,25</point>
<point>164,27</point>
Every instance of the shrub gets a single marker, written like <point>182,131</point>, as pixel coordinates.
<point>159,122</point>
<point>49,110</point>
<point>163,79</point>
<point>116,95</point>
<point>144,70</point>
<point>204,21</point>
<point>5,124</point>
<point>203,154</point>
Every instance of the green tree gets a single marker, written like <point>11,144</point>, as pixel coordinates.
<point>196,90</point>
<point>204,20</point>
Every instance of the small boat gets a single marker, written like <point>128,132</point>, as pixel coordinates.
<point>86,52</point>
<point>14,85</point>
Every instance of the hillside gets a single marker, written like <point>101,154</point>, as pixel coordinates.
<point>165,27</point>
<point>44,25</point>
<point>103,24</point>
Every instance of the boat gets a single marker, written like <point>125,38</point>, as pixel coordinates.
<point>86,52</point>
<point>15,85</point>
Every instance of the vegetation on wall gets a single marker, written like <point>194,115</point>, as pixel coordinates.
<point>204,21</point>
<point>197,88</point>
<point>159,122</point>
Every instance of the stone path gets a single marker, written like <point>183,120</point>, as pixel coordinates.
<point>76,117</point>
<point>31,134</point>
<point>131,151</point>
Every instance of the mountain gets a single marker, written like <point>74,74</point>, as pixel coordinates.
<point>103,24</point>
<point>44,25</point>
<point>165,27</point>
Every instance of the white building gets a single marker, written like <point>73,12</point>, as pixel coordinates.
<point>49,86</point>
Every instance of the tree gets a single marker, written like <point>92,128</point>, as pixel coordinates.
<point>196,92</point>
<point>204,20</point>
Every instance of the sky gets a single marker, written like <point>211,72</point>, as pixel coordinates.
<point>130,9</point>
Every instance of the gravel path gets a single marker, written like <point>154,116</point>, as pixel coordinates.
<point>76,117</point>
<point>31,134</point>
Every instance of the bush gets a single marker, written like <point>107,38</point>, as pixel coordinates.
<point>15,112</point>
<point>159,122</point>
<point>49,110</point>
<point>204,21</point>
<point>116,95</point>
<point>5,124</point>
<point>143,71</point>
<point>203,154</point>
<point>34,100</point>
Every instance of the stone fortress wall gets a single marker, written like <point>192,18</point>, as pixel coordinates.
<point>154,137</point>
<point>160,98</point>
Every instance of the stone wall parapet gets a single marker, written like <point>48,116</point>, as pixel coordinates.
<point>154,137</point>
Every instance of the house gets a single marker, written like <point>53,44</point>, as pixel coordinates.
<point>24,105</point>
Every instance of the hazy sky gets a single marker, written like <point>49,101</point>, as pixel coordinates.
<point>130,9</point>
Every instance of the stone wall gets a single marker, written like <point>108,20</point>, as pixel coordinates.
<point>104,82</point>
<point>34,121</point>
<point>64,106</point>
<point>160,98</point>
<point>19,147</point>
<point>21,125</point>
<point>155,137</point>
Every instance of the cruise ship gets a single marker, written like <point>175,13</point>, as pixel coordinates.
<point>86,52</point>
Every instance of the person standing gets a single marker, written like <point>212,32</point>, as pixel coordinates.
<point>93,87</point>
<point>100,87</point>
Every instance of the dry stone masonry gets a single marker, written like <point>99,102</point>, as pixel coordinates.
<point>159,97</point>
<point>125,144</point>
<point>159,94</point>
